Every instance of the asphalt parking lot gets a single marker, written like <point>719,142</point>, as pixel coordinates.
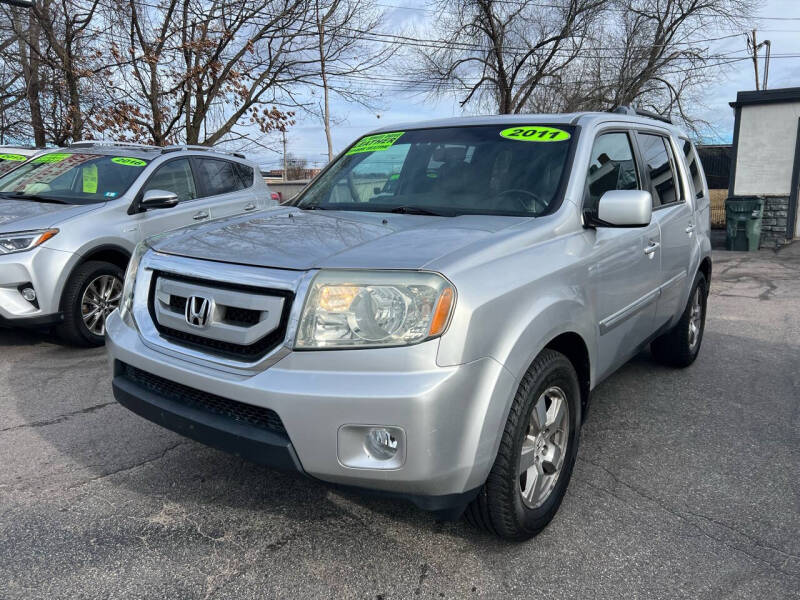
<point>687,486</point>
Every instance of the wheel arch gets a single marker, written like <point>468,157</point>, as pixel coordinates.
<point>110,253</point>
<point>573,346</point>
<point>705,268</point>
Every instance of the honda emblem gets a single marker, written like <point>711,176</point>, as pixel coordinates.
<point>198,311</point>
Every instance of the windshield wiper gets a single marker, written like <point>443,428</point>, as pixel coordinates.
<point>415,210</point>
<point>314,207</point>
<point>33,197</point>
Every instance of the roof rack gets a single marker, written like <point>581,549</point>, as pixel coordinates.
<point>100,143</point>
<point>629,110</point>
<point>197,147</point>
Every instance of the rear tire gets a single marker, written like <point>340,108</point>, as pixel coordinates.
<point>508,504</point>
<point>681,344</point>
<point>92,292</point>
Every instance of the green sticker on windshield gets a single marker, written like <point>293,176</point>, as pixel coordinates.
<point>374,143</point>
<point>128,162</point>
<point>51,158</point>
<point>535,133</point>
<point>14,157</point>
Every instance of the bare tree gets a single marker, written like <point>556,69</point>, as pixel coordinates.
<point>651,53</point>
<point>344,55</point>
<point>296,168</point>
<point>206,71</point>
<point>497,53</point>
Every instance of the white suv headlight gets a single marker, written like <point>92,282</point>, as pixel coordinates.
<point>20,241</point>
<point>347,309</point>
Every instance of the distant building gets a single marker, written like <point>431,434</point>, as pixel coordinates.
<point>766,159</point>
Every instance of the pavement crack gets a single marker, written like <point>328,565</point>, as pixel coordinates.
<point>684,516</point>
<point>422,576</point>
<point>60,418</point>
<point>142,463</point>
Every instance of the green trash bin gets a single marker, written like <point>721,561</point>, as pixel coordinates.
<point>743,221</point>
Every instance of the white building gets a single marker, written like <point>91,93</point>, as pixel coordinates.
<point>766,159</point>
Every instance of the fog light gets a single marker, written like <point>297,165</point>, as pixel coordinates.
<point>29,294</point>
<point>381,444</point>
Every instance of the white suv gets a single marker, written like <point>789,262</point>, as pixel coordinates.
<point>70,218</point>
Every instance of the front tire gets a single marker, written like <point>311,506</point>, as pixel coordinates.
<point>681,344</point>
<point>537,452</point>
<point>94,290</point>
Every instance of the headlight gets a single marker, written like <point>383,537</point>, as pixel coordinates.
<point>20,241</point>
<point>346,309</point>
<point>126,302</point>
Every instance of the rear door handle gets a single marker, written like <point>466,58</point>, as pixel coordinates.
<point>199,216</point>
<point>651,248</point>
<point>250,206</point>
<point>690,229</point>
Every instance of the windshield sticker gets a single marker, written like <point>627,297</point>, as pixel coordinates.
<point>110,194</point>
<point>128,162</point>
<point>51,158</point>
<point>89,179</point>
<point>14,157</point>
<point>535,133</point>
<point>375,143</point>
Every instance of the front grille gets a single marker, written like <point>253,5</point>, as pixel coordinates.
<point>233,315</point>
<point>257,416</point>
<point>241,316</point>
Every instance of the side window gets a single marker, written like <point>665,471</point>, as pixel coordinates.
<point>175,176</point>
<point>219,176</point>
<point>245,174</point>
<point>612,167</point>
<point>659,164</point>
<point>694,166</point>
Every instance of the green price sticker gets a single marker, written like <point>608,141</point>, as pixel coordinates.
<point>90,179</point>
<point>128,162</point>
<point>14,157</point>
<point>51,158</point>
<point>375,143</point>
<point>535,133</point>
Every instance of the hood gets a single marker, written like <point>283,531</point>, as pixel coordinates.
<point>288,238</point>
<point>24,215</point>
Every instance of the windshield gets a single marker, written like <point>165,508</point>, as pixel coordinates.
<point>72,178</point>
<point>9,161</point>
<point>493,170</point>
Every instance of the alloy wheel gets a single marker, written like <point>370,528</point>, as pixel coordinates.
<point>544,447</point>
<point>695,318</point>
<point>100,298</point>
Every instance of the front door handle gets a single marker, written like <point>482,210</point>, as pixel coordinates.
<point>250,206</point>
<point>651,248</point>
<point>199,216</point>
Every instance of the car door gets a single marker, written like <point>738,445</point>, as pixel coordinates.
<point>624,269</point>
<point>673,213</point>
<point>227,186</point>
<point>176,176</point>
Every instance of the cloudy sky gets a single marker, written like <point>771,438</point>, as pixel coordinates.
<point>778,21</point>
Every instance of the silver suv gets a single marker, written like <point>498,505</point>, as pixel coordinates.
<point>70,219</point>
<point>429,316</point>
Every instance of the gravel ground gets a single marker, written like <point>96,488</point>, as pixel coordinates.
<point>687,485</point>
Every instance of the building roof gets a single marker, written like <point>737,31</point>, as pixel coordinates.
<point>766,96</point>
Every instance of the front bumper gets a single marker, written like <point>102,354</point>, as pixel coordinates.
<point>43,269</point>
<point>452,416</point>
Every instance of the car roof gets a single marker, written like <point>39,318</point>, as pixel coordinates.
<point>580,118</point>
<point>143,151</point>
<point>23,150</point>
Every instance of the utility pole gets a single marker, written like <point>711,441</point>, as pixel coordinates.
<point>755,57</point>
<point>284,155</point>
<point>753,43</point>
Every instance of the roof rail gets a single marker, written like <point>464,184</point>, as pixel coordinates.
<point>629,110</point>
<point>197,147</point>
<point>95,143</point>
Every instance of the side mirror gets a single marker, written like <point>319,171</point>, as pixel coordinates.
<point>625,208</point>
<point>158,199</point>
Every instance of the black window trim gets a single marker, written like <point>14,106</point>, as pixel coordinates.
<point>671,154</point>
<point>616,128</point>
